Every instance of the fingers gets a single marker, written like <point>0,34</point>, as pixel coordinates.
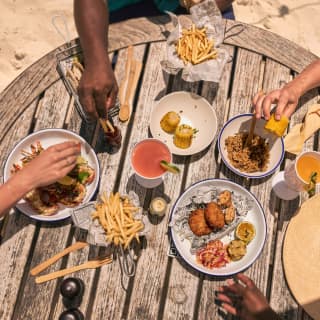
<point>111,99</point>
<point>257,102</point>
<point>100,98</point>
<point>245,280</point>
<point>66,145</point>
<point>87,100</point>
<point>232,310</point>
<point>289,110</point>
<point>224,298</point>
<point>69,162</point>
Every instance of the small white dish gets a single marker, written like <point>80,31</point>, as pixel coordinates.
<point>255,215</point>
<point>241,123</point>
<point>48,137</point>
<point>194,111</point>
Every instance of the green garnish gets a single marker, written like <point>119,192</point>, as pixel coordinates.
<point>311,187</point>
<point>82,176</point>
<point>169,166</point>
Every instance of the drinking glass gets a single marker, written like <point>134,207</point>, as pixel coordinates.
<point>289,183</point>
<point>145,162</point>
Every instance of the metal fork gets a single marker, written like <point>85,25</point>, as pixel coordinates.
<point>87,265</point>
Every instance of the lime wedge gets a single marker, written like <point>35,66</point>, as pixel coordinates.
<point>169,166</point>
<point>67,181</point>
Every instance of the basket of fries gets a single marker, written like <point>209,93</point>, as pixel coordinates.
<point>193,47</point>
<point>115,222</point>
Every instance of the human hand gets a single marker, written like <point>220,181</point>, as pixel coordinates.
<point>245,300</point>
<point>98,89</point>
<point>286,99</point>
<point>52,164</point>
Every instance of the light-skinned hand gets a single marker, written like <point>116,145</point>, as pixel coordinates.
<point>244,299</point>
<point>286,100</point>
<point>52,164</point>
<point>98,89</point>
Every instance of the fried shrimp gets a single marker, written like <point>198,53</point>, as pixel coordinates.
<point>224,199</point>
<point>230,214</point>
<point>214,216</point>
<point>198,224</point>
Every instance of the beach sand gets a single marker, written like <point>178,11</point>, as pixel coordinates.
<point>27,33</point>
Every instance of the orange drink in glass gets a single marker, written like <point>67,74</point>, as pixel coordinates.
<point>296,177</point>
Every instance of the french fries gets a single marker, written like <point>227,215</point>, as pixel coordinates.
<point>194,46</point>
<point>74,74</point>
<point>116,216</point>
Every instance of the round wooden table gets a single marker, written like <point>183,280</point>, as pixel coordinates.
<point>163,287</point>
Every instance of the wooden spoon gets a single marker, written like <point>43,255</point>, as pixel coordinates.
<point>124,112</point>
<point>252,125</point>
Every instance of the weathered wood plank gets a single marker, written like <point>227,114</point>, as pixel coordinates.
<point>281,298</point>
<point>149,286</point>
<point>18,229</point>
<point>74,123</point>
<point>109,283</point>
<point>268,44</point>
<point>184,282</point>
<point>245,80</point>
<point>34,299</point>
<point>274,75</point>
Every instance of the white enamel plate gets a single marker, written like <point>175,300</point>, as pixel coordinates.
<point>48,137</point>
<point>255,215</point>
<point>194,111</point>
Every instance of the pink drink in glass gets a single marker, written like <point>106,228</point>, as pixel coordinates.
<point>146,157</point>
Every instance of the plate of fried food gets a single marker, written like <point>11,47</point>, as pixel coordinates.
<point>53,202</point>
<point>218,227</point>
<point>184,121</point>
<point>258,158</point>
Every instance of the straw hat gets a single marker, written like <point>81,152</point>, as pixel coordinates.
<point>301,256</point>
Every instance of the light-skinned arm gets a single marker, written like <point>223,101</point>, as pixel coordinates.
<point>287,97</point>
<point>52,164</point>
<point>98,87</point>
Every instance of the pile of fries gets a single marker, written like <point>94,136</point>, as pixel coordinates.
<point>116,216</point>
<point>195,47</point>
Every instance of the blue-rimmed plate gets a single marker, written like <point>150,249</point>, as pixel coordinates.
<point>249,209</point>
<point>48,137</point>
<point>242,123</point>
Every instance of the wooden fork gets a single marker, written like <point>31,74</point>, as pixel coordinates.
<point>44,265</point>
<point>87,265</point>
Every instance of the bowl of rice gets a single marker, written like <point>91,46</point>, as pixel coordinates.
<point>257,159</point>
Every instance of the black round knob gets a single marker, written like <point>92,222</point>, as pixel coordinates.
<point>72,314</point>
<point>71,288</point>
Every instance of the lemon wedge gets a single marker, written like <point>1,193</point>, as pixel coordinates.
<point>169,167</point>
<point>245,231</point>
<point>67,181</point>
<point>81,160</point>
<point>277,127</point>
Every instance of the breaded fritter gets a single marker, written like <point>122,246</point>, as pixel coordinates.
<point>198,224</point>
<point>214,216</point>
<point>224,199</point>
<point>230,214</point>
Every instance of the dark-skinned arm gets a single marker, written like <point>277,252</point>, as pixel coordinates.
<point>98,87</point>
